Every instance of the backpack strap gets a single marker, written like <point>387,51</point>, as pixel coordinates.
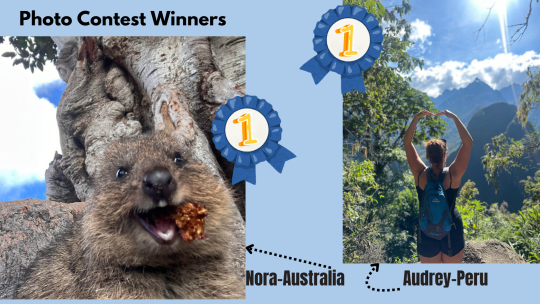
<point>451,210</point>
<point>448,169</point>
<point>436,178</point>
<point>449,245</point>
<point>451,206</point>
<point>429,175</point>
<point>418,179</point>
<point>419,214</point>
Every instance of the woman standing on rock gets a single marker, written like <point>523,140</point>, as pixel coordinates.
<point>440,237</point>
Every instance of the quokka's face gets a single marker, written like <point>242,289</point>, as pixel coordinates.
<point>140,184</point>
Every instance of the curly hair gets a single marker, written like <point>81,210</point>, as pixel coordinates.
<point>435,150</point>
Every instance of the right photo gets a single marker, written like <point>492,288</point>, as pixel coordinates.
<point>441,156</point>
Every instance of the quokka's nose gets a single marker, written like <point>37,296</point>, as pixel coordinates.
<point>159,184</point>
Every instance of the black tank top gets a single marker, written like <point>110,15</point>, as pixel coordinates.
<point>450,194</point>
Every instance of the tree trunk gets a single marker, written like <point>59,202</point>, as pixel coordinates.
<point>124,86</point>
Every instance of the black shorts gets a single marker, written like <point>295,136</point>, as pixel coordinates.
<point>430,247</point>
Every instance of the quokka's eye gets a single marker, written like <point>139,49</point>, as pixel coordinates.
<point>121,172</point>
<point>178,158</point>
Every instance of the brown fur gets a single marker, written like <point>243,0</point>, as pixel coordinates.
<point>109,256</point>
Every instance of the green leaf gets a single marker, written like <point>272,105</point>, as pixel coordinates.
<point>50,54</point>
<point>381,8</point>
<point>9,54</point>
<point>40,66</point>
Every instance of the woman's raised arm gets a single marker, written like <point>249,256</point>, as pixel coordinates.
<point>458,167</point>
<point>415,162</point>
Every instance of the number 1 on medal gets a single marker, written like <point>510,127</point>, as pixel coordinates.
<point>347,30</point>
<point>245,119</point>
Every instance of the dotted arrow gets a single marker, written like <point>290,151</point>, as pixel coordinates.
<point>250,249</point>
<point>376,269</point>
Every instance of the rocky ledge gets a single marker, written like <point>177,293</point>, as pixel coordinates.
<point>490,251</point>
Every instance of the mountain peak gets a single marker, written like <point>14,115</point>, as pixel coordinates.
<point>475,95</point>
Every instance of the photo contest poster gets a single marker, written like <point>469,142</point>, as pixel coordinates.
<point>285,151</point>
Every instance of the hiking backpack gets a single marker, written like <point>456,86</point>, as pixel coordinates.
<point>434,218</point>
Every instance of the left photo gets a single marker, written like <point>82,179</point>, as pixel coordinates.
<point>110,184</point>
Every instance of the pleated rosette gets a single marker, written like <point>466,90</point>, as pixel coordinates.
<point>328,43</point>
<point>264,128</point>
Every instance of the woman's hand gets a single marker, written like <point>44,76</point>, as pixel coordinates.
<point>415,162</point>
<point>423,113</point>
<point>447,114</point>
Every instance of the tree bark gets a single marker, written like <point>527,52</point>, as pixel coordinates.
<point>124,86</point>
<point>27,227</point>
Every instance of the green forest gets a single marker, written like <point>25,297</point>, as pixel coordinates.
<point>380,203</point>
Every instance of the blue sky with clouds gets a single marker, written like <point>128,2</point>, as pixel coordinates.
<point>445,36</point>
<point>454,23</point>
<point>28,127</point>
<point>27,190</point>
<point>52,92</point>
<point>32,188</point>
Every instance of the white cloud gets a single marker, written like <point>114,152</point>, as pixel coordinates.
<point>420,30</point>
<point>420,33</point>
<point>498,72</point>
<point>28,129</point>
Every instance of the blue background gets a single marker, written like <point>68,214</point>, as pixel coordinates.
<point>298,212</point>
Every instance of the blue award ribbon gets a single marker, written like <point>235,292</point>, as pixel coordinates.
<point>350,71</point>
<point>271,151</point>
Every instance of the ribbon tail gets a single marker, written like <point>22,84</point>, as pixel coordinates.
<point>280,156</point>
<point>317,70</point>
<point>352,82</point>
<point>241,173</point>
